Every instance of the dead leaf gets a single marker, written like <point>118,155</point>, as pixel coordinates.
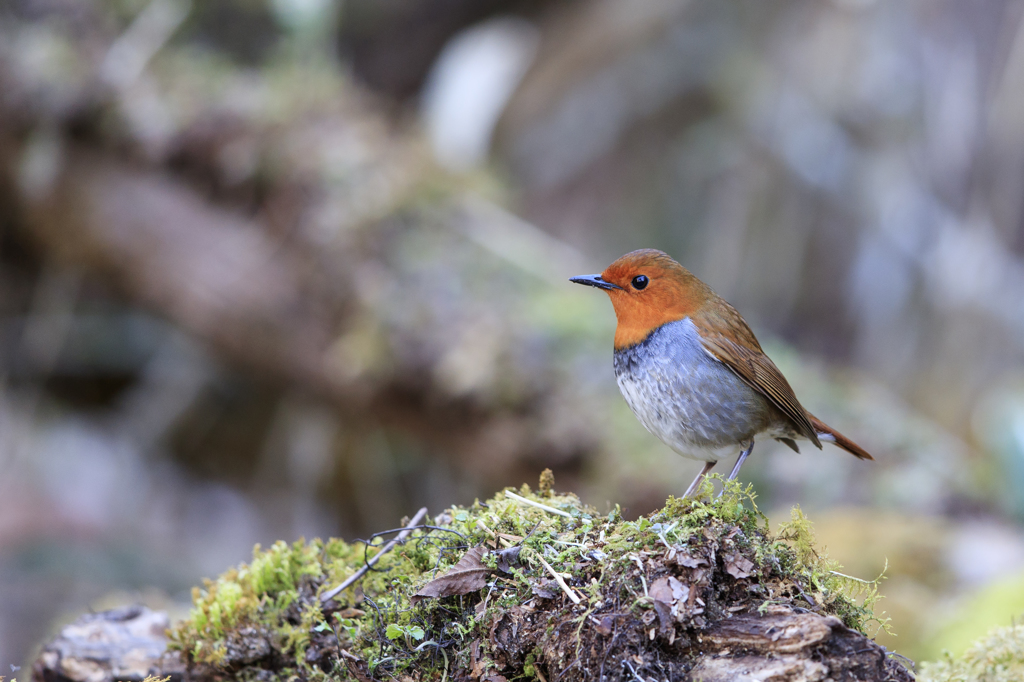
<point>669,597</point>
<point>545,589</point>
<point>476,661</point>
<point>469,575</point>
<point>508,557</point>
<point>688,561</point>
<point>738,566</point>
<point>680,592</point>
<point>669,590</point>
<point>660,590</point>
<point>665,620</point>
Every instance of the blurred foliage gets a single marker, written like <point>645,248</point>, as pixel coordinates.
<point>1001,602</point>
<point>998,657</point>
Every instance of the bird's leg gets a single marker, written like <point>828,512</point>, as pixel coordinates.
<point>700,477</point>
<point>739,461</point>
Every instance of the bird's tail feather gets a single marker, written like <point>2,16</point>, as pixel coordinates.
<point>826,432</point>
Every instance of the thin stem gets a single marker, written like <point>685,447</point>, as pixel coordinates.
<point>409,528</point>
<point>538,505</point>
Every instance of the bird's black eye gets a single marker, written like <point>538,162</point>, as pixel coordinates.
<point>640,282</point>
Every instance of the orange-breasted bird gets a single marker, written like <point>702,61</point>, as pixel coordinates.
<point>692,371</point>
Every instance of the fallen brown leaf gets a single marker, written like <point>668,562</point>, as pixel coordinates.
<point>469,575</point>
<point>545,589</point>
<point>507,558</point>
<point>669,590</point>
<point>738,566</point>
<point>660,590</point>
<point>688,561</point>
<point>476,660</point>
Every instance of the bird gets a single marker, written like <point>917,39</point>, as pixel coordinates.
<point>693,372</point>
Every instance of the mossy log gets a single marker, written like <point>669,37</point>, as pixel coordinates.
<point>540,586</point>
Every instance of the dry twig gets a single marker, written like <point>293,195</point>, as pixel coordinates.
<point>538,505</point>
<point>327,596</point>
<point>561,583</point>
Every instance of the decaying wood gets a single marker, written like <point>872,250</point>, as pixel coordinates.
<point>788,646</point>
<point>782,645</point>
<point>780,630</point>
<point>122,644</point>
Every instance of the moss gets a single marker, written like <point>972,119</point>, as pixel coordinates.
<point>851,599</point>
<point>999,657</point>
<point>523,618</point>
<point>254,595</point>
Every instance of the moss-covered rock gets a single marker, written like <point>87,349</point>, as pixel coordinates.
<point>700,586</point>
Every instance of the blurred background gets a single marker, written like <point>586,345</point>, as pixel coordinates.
<point>283,268</point>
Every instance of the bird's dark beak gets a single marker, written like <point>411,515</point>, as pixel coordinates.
<point>594,281</point>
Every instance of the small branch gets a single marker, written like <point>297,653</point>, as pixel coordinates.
<point>561,583</point>
<point>538,505</point>
<point>327,596</point>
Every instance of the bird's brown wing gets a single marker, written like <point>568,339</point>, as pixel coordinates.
<point>728,339</point>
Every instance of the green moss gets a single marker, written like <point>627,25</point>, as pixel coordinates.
<point>376,622</point>
<point>256,594</point>
<point>851,599</point>
<point>999,657</point>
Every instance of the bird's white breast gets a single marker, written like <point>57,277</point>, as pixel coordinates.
<point>692,402</point>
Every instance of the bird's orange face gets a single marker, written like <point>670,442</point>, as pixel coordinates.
<point>647,289</point>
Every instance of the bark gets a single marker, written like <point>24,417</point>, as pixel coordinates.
<point>122,644</point>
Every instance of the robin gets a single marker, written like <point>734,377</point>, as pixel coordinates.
<point>691,370</point>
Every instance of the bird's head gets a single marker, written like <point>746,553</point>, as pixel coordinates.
<point>648,289</point>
